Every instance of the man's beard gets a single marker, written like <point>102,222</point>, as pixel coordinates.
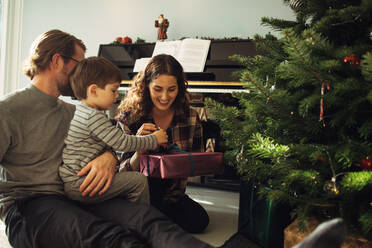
<point>63,85</point>
<point>65,89</point>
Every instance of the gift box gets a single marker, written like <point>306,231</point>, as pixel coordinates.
<point>261,220</point>
<point>181,165</point>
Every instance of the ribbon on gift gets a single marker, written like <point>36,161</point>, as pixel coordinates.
<point>173,148</point>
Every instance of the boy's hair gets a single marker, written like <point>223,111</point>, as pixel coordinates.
<point>93,70</point>
<point>45,46</point>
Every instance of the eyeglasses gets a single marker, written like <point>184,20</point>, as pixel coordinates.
<point>68,57</point>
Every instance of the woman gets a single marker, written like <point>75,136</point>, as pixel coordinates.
<point>159,98</point>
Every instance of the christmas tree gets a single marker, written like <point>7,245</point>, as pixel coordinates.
<point>304,127</point>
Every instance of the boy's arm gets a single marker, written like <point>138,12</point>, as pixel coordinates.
<point>114,137</point>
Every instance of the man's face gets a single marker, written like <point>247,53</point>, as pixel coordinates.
<point>63,84</point>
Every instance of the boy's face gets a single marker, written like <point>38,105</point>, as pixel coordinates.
<point>107,97</point>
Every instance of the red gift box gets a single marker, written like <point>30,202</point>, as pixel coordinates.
<point>181,165</point>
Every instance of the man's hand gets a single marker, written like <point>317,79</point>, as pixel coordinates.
<point>100,171</point>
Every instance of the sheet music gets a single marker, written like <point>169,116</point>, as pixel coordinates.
<point>140,64</point>
<point>191,53</point>
<point>167,47</point>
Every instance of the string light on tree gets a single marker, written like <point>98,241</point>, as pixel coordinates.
<point>331,187</point>
<point>240,156</point>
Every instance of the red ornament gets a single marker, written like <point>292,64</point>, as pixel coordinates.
<point>127,40</point>
<point>321,103</point>
<point>366,163</point>
<point>322,159</point>
<point>352,59</point>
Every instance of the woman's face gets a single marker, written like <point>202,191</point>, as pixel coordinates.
<point>163,91</point>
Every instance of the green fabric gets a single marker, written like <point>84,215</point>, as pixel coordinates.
<point>261,220</point>
<point>262,231</point>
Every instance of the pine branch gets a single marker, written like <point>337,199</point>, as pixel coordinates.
<point>294,46</point>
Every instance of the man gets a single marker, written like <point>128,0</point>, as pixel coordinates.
<point>33,126</point>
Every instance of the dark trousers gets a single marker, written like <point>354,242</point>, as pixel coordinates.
<point>187,213</point>
<point>54,221</point>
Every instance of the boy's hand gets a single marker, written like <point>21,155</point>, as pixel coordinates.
<point>146,128</point>
<point>161,136</point>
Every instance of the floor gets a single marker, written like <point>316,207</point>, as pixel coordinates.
<point>222,207</point>
<point>3,239</point>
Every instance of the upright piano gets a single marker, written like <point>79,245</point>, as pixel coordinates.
<point>217,81</point>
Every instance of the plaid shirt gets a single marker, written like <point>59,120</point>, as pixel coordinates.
<point>185,130</point>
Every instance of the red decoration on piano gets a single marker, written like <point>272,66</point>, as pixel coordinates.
<point>127,40</point>
<point>123,40</point>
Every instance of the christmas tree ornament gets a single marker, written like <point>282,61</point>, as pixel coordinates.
<point>296,4</point>
<point>352,59</point>
<point>322,92</point>
<point>331,187</point>
<point>321,158</point>
<point>240,156</point>
<point>321,103</point>
<point>366,163</point>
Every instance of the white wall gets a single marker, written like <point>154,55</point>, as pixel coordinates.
<point>101,21</point>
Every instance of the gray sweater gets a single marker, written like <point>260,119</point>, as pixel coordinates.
<point>33,126</point>
<point>91,134</point>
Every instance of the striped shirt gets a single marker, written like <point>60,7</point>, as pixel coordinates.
<point>91,134</point>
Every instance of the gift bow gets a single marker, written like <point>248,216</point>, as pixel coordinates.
<point>169,149</point>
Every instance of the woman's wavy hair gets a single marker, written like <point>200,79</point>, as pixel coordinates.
<point>138,102</point>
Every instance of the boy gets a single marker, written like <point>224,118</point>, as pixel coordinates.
<point>95,81</point>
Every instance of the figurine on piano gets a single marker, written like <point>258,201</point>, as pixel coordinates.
<point>162,24</point>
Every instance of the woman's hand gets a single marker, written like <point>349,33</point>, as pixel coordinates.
<point>101,171</point>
